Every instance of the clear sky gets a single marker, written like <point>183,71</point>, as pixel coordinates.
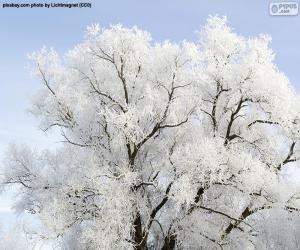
<point>27,30</point>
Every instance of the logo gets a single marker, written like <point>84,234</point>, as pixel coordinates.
<point>283,9</point>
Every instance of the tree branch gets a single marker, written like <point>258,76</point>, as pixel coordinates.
<point>289,156</point>
<point>262,121</point>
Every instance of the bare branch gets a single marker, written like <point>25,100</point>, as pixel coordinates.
<point>262,121</point>
<point>144,184</point>
<point>174,125</point>
<point>245,214</point>
<point>289,157</point>
<point>45,80</point>
<point>233,117</point>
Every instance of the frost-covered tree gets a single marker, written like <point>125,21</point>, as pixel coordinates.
<point>165,145</point>
<point>279,230</point>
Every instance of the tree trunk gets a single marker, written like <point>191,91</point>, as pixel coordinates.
<point>140,242</point>
<point>169,242</point>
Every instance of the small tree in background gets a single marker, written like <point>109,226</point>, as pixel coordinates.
<point>165,146</point>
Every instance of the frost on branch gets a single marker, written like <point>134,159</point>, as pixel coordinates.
<point>164,145</point>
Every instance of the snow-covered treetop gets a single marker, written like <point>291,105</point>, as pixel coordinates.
<point>165,145</point>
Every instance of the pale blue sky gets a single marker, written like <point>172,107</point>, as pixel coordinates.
<point>26,30</point>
